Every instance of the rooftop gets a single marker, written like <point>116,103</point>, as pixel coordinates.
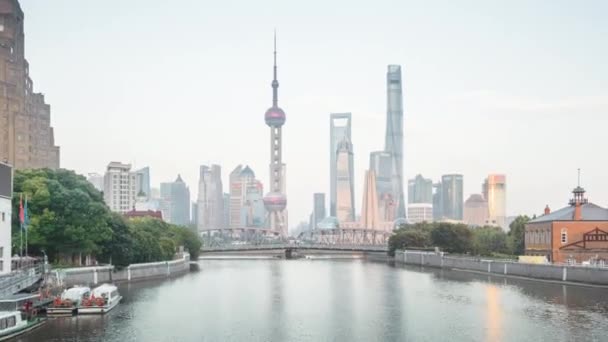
<point>590,212</point>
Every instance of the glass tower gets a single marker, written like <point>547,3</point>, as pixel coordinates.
<point>394,135</point>
<point>452,197</point>
<point>339,130</point>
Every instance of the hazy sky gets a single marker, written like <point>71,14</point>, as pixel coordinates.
<point>515,87</point>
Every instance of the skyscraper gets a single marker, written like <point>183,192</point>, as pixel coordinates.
<point>476,210</point>
<point>369,210</point>
<point>142,177</point>
<point>394,135</point>
<point>452,196</point>
<point>420,190</point>
<point>319,212</point>
<point>495,192</point>
<point>275,201</point>
<point>437,201</point>
<point>380,162</point>
<point>340,133</point>
<point>210,202</point>
<point>246,200</point>
<point>119,187</point>
<point>345,206</point>
<point>176,199</point>
<point>26,135</point>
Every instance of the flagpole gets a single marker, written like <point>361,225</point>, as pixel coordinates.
<point>25,219</point>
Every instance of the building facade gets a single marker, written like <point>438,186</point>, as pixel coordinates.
<point>26,135</point>
<point>394,135</point>
<point>120,187</point>
<point>246,199</point>
<point>420,190</point>
<point>6,195</point>
<point>419,212</point>
<point>370,218</point>
<point>210,202</point>
<point>380,162</point>
<point>175,198</point>
<point>319,211</point>
<point>452,197</point>
<point>476,211</point>
<point>339,130</point>
<point>345,198</point>
<point>495,193</point>
<point>142,178</point>
<point>577,233</point>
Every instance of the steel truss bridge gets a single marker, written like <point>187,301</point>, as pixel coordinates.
<point>260,239</point>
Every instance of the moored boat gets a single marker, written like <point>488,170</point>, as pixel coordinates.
<point>69,301</point>
<point>103,299</point>
<point>12,324</point>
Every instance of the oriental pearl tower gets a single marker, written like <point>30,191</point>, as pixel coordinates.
<point>275,201</point>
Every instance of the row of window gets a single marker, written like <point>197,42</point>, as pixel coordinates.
<point>544,237</point>
<point>7,322</point>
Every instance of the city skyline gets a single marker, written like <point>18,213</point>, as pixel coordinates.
<point>499,120</point>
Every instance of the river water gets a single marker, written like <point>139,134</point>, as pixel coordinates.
<point>340,300</point>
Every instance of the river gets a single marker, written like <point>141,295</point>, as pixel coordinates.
<point>340,300</point>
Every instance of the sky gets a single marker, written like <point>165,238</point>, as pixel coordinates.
<point>514,87</point>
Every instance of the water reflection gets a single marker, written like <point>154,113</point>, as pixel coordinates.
<point>340,300</point>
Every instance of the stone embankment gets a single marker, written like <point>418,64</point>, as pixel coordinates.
<point>560,273</point>
<point>108,274</point>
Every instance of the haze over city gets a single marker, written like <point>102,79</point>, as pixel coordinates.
<point>519,90</point>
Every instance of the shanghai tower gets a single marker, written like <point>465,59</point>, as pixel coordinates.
<point>394,136</point>
<point>275,201</point>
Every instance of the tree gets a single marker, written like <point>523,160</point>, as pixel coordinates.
<point>189,239</point>
<point>489,240</point>
<point>119,249</point>
<point>408,238</point>
<point>516,235</point>
<point>453,238</point>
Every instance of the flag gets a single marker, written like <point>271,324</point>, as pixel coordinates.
<point>26,217</point>
<point>21,214</point>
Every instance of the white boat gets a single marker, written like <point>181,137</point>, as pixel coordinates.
<point>69,301</point>
<point>103,299</point>
<point>12,324</point>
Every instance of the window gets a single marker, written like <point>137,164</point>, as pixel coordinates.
<point>564,235</point>
<point>10,322</point>
<point>3,218</point>
<point>3,324</point>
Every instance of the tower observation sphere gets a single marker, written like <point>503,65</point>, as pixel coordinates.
<point>274,117</point>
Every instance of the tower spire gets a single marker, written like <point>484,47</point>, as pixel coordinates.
<point>275,82</point>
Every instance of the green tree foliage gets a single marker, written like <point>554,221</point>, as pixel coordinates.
<point>68,217</point>
<point>452,238</point>
<point>67,214</point>
<point>489,240</point>
<point>516,236</point>
<point>410,236</point>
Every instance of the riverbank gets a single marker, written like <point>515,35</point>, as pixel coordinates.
<point>108,274</point>
<point>573,275</point>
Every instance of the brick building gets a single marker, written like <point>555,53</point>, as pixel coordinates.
<point>26,136</point>
<point>575,234</point>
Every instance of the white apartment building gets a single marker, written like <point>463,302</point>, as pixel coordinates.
<point>420,212</point>
<point>6,193</point>
<point>120,187</point>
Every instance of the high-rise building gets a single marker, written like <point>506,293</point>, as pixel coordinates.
<point>96,180</point>
<point>476,211</point>
<point>210,198</point>
<point>246,199</point>
<point>394,135</point>
<point>345,206</point>
<point>452,197</point>
<point>26,135</point>
<point>194,215</point>
<point>380,163</point>
<point>419,212</point>
<point>142,177</point>
<point>370,218</point>
<point>226,221</point>
<point>437,201</point>
<point>119,187</point>
<point>175,197</point>
<point>339,131</point>
<point>420,190</point>
<point>319,212</point>
<point>6,196</point>
<point>275,201</point>
<point>495,192</point>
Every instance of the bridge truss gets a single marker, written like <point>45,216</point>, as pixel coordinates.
<point>346,236</point>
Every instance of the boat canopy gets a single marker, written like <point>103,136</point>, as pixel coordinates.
<point>75,293</point>
<point>103,289</point>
